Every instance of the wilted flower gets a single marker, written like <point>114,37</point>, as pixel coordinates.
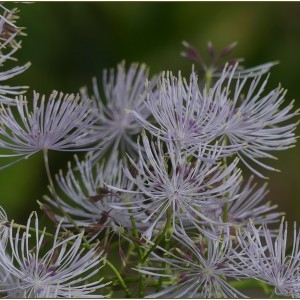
<point>34,271</point>
<point>194,268</point>
<point>60,124</point>
<point>266,257</point>
<point>213,68</point>
<point>123,91</point>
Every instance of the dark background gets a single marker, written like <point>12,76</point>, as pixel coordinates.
<point>70,42</point>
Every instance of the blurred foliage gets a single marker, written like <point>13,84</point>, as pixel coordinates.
<point>70,42</point>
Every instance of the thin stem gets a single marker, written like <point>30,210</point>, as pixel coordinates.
<point>141,285</point>
<point>225,212</point>
<point>160,237</point>
<point>225,208</point>
<point>164,263</point>
<point>208,82</point>
<point>208,79</point>
<point>119,277</point>
<point>16,225</point>
<point>135,235</point>
<point>48,234</point>
<point>53,191</point>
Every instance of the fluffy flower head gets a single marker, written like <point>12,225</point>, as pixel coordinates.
<point>60,124</point>
<point>195,268</point>
<point>266,257</point>
<point>9,32</point>
<point>124,90</point>
<point>34,271</point>
<point>167,182</point>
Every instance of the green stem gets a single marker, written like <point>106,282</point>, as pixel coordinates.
<point>208,79</point>
<point>129,252</point>
<point>164,263</point>
<point>225,212</point>
<point>119,277</point>
<point>160,237</point>
<point>46,161</point>
<point>16,225</point>
<point>225,208</point>
<point>45,233</point>
<point>135,235</point>
<point>141,285</point>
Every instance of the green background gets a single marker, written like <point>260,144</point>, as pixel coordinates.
<point>68,43</point>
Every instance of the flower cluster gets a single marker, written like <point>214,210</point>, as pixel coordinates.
<point>162,181</point>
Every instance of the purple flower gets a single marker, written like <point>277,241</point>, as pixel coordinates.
<point>166,181</point>
<point>35,269</point>
<point>86,198</point>
<point>62,123</point>
<point>3,225</point>
<point>8,29</point>
<point>194,268</point>
<point>255,121</point>
<point>247,204</point>
<point>213,69</point>
<point>116,128</point>
<point>267,258</point>
<point>184,114</point>
<point>8,46</point>
<point>233,112</point>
